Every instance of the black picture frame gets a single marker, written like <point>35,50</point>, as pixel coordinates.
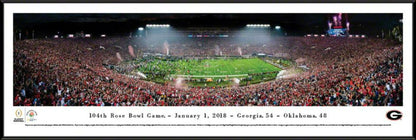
<point>203,1</point>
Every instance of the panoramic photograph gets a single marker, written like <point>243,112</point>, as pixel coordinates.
<point>330,59</point>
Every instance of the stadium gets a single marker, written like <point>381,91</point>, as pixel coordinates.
<point>208,60</point>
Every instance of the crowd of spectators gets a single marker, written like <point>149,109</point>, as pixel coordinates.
<point>341,72</point>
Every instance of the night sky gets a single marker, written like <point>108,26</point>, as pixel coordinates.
<point>293,24</point>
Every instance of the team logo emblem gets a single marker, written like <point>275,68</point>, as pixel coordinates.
<point>394,115</point>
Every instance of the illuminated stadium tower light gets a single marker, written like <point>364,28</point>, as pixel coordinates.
<point>277,27</point>
<point>141,28</point>
<point>157,26</point>
<point>258,25</point>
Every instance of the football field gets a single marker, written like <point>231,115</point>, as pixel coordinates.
<point>252,69</point>
<point>209,67</point>
<point>228,67</point>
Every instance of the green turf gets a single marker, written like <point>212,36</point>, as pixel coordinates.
<point>210,67</point>
<point>229,67</point>
<point>257,70</point>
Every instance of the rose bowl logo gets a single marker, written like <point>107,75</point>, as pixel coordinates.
<point>31,115</point>
<point>18,114</point>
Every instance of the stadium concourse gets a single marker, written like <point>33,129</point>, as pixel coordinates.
<point>341,72</point>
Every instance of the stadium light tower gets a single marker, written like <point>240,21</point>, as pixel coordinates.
<point>141,28</point>
<point>157,25</point>
<point>258,25</point>
<point>277,27</point>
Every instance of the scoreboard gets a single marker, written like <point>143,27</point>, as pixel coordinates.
<point>338,25</point>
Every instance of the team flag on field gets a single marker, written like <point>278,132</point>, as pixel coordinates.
<point>131,51</point>
<point>119,56</point>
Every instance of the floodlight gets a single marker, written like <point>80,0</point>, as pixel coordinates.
<point>141,28</point>
<point>258,25</point>
<point>277,27</point>
<point>157,25</point>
